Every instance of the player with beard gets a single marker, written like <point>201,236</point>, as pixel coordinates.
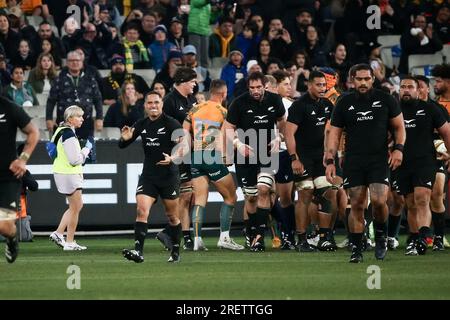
<point>253,116</point>
<point>366,115</point>
<point>441,74</point>
<point>416,175</point>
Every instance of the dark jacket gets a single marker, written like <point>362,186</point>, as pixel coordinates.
<point>65,93</point>
<point>115,118</point>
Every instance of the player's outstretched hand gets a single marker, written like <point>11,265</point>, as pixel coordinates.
<point>127,133</point>
<point>167,160</point>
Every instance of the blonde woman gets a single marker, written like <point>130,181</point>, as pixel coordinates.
<point>68,174</point>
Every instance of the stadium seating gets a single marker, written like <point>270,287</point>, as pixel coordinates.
<point>42,98</point>
<point>218,62</point>
<point>446,52</point>
<point>422,63</point>
<point>108,134</point>
<point>104,72</point>
<point>389,40</point>
<point>35,111</point>
<point>147,74</point>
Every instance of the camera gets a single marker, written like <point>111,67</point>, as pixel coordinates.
<point>280,32</point>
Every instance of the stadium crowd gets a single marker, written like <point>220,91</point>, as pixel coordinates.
<point>315,55</point>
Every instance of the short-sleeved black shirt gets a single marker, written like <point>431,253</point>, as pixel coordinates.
<point>311,117</point>
<point>177,106</point>
<point>156,139</point>
<point>11,117</point>
<point>365,119</point>
<point>421,118</point>
<point>444,113</point>
<point>247,113</point>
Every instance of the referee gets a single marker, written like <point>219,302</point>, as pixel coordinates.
<point>12,168</point>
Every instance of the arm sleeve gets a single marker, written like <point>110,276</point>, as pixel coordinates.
<point>70,145</point>
<point>337,117</point>
<point>438,118</point>
<point>21,118</point>
<point>295,114</point>
<point>279,107</point>
<point>394,107</point>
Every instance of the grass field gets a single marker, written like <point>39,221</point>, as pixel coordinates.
<point>40,273</point>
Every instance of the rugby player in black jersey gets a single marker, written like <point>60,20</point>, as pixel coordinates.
<point>160,177</point>
<point>416,175</point>
<point>177,104</point>
<point>253,117</point>
<point>366,115</point>
<point>305,136</point>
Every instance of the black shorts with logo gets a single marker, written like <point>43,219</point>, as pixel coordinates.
<point>185,172</point>
<point>417,174</point>
<point>363,171</point>
<point>313,166</point>
<point>247,174</point>
<point>10,195</point>
<point>284,173</point>
<point>165,188</point>
<point>441,167</point>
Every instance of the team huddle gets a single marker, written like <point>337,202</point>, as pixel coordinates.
<point>363,150</point>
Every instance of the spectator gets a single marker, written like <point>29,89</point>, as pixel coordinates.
<point>247,41</point>
<point>314,47</point>
<point>95,42</point>
<point>300,80</point>
<point>274,65</point>
<point>280,40</point>
<point>8,38</point>
<point>115,39</point>
<point>19,90</point>
<point>88,69</point>
<point>148,24</point>
<point>177,35</point>
<point>222,41</point>
<point>256,18</point>
<point>339,63</point>
<point>199,30</point>
<point>73,34</point>
<point>375,62</point>
<point>233,71</point>
<point>200,97</point>
<point>190,60</point>
<point>111,84</point>
<point>43,74</point>
<point>241,85</point>
<point>165,76</point>
<point>5,76</point>
<point>160,48</point>
<point>45,32</point>
<point>127,110</point>
<point>264,54</point>
<point>113,13</point>
<point>441,24</point>
<point>303,19</point>
<point>134,51</point>
<point>74,87</point>
<point>47,48</point>
<point>420,39</point>
<point>24,57</point>
<point>160,88</point>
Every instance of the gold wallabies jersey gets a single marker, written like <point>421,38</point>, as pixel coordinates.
<point>206,120</point>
